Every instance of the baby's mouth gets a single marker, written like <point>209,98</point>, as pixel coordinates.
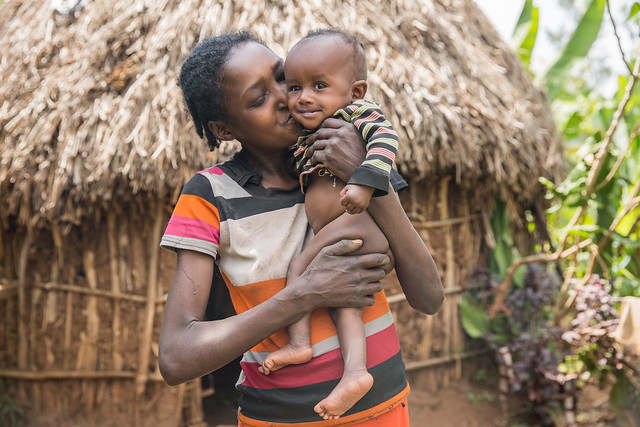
<point>307,113</point>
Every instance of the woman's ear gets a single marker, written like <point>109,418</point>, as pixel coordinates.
<point>220,131</point>
<point>359,89</point>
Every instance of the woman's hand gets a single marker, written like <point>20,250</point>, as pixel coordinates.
<point>339,146</point>
<point>333,279</point>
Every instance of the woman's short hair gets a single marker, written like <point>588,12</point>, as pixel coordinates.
<point>201,80</point>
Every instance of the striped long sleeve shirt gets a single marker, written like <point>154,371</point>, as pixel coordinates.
<point>381,144</point>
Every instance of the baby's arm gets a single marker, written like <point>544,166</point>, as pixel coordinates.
<point>371,178</point>
<point>355,198</point>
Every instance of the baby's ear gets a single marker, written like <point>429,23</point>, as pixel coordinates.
<point>359,89</point>
<point>220,131</point>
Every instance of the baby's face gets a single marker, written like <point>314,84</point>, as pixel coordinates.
<point>319,74</point>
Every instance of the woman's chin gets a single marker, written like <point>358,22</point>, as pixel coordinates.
<point>293,125</point>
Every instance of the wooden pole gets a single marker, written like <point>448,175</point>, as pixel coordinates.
<point>449,275</point>
<point>93,326</point>
<point>68,322</point>
<point>152,286</point>
<point>23,344</point>
<point>36,395</point>
<point>116,356</point>
<point>74,375</point>
<point>437,361</point>
<point>177,419</point>
<point>65,287</point>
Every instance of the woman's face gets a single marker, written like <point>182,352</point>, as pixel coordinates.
<point>256,100</point>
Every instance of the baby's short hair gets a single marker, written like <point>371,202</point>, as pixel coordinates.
<point>360,59</point>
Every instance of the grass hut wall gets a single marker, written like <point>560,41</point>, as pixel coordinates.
<point>96,145</point>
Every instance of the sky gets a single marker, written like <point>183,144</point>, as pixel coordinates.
<point>504,15</point>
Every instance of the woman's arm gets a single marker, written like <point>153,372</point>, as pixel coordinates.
<point>416,270</point>
<point>338,145</point>
<point>191,347</point>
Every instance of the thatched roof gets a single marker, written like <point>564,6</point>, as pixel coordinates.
<point>90,111</point>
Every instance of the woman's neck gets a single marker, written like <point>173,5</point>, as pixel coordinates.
<point>272,167</point>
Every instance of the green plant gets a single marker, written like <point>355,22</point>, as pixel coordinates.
<point>594,231</point>
<point>10,414</point>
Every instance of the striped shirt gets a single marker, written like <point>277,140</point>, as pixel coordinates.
<point>382,146</point>
<point>253,233</point>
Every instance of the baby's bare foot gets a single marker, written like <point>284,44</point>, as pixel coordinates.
<point>287,355</point>
<point>349,390</point>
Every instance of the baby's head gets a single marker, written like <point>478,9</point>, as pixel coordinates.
<point>325,71</point>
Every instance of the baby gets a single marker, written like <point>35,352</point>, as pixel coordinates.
<point>326,76</point>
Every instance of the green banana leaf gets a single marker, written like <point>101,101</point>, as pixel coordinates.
<point>577,48</point>
<point>524,35</point>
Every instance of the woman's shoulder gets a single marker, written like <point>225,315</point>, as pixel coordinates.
<point>214,178</point>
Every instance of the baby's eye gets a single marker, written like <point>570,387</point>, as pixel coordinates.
<point>294,88</point>
<point>319,85</point>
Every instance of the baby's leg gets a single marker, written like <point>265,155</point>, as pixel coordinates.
<point>298,350</point>
<point>322,206</point>
<point>346,226</point>
<point>355,381</point>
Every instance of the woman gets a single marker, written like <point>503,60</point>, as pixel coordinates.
<point>247,214</point>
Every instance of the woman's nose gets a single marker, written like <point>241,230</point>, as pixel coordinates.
<point>281,93</point>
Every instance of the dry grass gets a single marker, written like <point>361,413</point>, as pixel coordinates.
<point>90,111</point>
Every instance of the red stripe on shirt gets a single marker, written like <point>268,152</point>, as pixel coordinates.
<point>214,170</point>
<point>326,367</point>
<point>192,228</point>
<point>381,152</point>
<point>387,130</point>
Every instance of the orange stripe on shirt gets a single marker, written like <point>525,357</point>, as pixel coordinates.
<point>190,206</point>
<point>323,327</point>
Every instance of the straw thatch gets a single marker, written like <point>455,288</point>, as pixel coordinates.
<point>95,145</point>
<point>90,111</point>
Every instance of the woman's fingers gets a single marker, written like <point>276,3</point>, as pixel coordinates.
<point>347,246</point>
<point>343,247</point>
<point>392,263</point>
<point>339,146</point>
<point>344,280</point>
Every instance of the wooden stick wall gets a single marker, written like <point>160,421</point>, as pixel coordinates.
<point>82,307</point>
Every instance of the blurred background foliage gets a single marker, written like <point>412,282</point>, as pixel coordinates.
<point>550,313</point>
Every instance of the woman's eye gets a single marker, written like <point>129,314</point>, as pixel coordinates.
<point>319,86</point>
<point>258,102</point>
<point>280,77</point>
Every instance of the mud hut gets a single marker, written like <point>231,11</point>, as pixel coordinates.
<point>95,145</point>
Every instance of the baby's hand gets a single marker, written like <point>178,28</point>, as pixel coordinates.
<point>355,198</point>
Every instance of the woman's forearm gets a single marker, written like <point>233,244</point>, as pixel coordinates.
<point>191,346</point>
<point>198,347</point>
<point>415,267</point>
